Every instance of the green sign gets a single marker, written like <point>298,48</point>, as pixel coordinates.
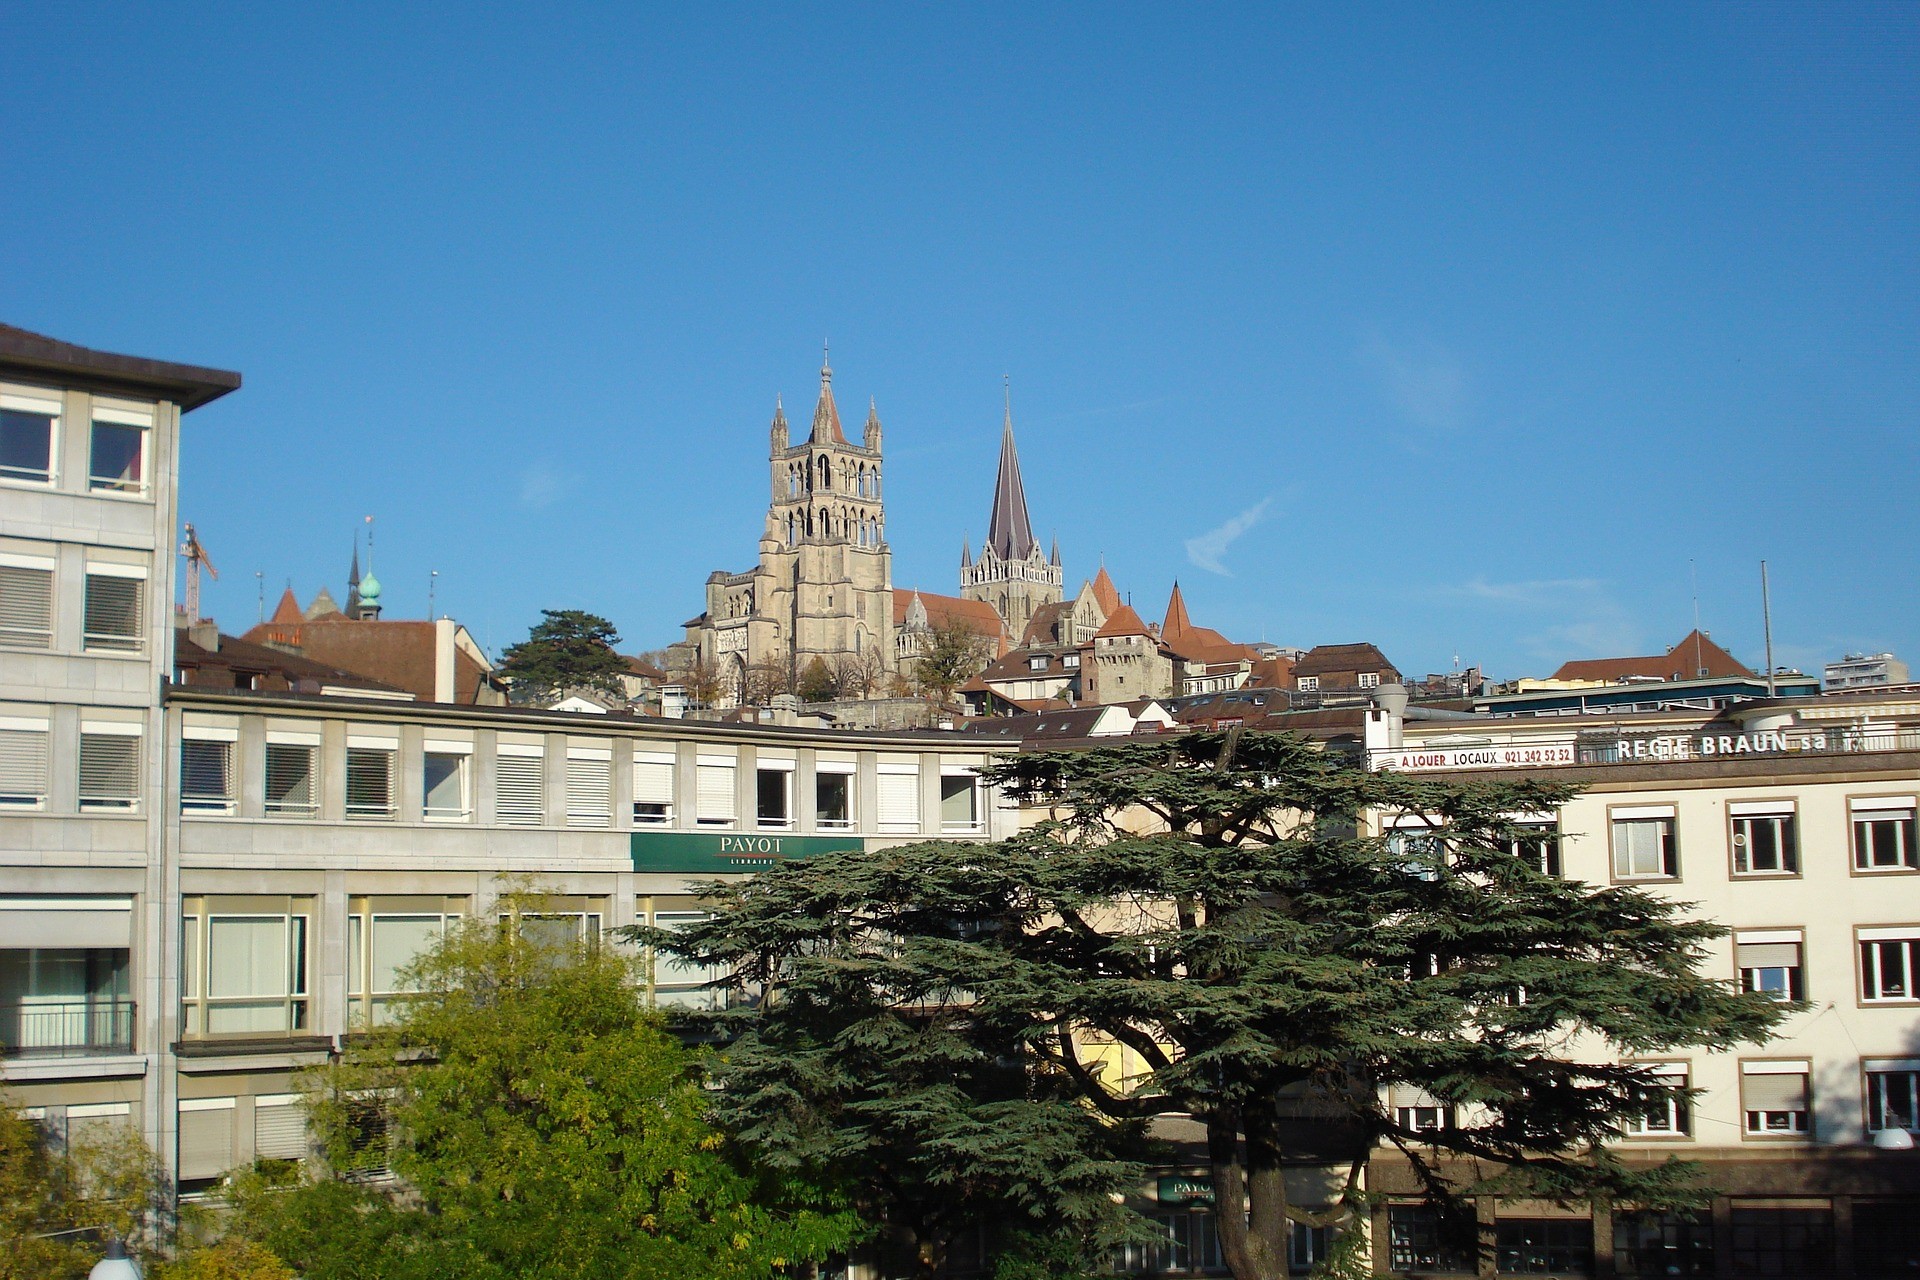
<point>727,853</point>
<point>1174,1188</point>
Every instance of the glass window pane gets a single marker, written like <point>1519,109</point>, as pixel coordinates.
<point>113,612</point>
<point>118,453</point>
<point>446,785</point>
<point>397,941</point>
<point>26,445</point>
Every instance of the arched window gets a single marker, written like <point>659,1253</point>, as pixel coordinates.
<point>826,473</point>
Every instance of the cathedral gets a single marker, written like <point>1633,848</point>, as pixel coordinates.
<point>823,588</point>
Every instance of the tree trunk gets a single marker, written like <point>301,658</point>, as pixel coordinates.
<point>1248,1191</point>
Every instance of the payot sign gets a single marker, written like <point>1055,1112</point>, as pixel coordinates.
<point>1412,761</point>
<point>713,853</point>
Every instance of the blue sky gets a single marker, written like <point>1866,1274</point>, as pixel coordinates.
<point>1472,331</point>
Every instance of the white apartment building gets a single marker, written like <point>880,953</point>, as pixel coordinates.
<point>1792,822</point>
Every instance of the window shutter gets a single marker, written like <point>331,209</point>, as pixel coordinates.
<point>26,606</point>
<point>520,786</point>
<point>113,612</point>
<point>653,781</point>
<point>589,791</point>
<point>290,779</point>
<point>369,782</point>
<point>899,796</point>
<point>23,767</point>
<point>206,1138</point>
<point>1767,955</point>
<point>279,1129</point>
<point>206,775</point>
<point>1774,1092</point>
<point>109,770</point>
<point>715,798</point>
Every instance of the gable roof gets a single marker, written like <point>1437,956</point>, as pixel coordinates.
<point>187,385</point>
<point>1682,662</point>
<point>975,615</point>
<point>1331,659</point>
<point>1042,628</point>
<point>1105,592</point>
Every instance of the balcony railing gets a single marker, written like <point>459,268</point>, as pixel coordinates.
<point>66,1029</point>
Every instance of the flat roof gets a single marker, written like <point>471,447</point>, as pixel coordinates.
<point>187,385</point>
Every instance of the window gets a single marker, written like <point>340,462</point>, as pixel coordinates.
<point>773,794</point>
<point>1887,964</point>
<point>589,785</point>
<point>1539,847</point>
<point>1769,961</point>
<point>652,789</point>
<point>1893,1096</point>
<point>110,767</point>
<point>206,776</point>
<point>1421,1238</point>
<point>1309,684</point>
<point>118,457</point>
<point>1662,1244</point>
<point>520,784</point>
<point>1884,1241</point>
<point>1671,1115</point>
<point>1782,1241</point>
<point>1189,1244</point>
<point>26,439</point>
<point>1773,1096</point>
<point>1544,1246</point>
<point>1883,834</point>
<point>369,779</point>
<point>1369,680</point>
<point>560,930</point>
<point>1418,1110</point>
<point>1307,1247</point>
<point>245,970</point>
<point>447,782</point>
<point>384,936</point>
<point>713,791</point>
<point>1763,841</point>
<point>23,763</point>
<point>290,782</point>
<point>960,802</point>
<point>899,798</point>
<point>114,616</point>
<point>1643,844</point>
<point>26,601</point>
<point>833,796</point>
<point>68,997</point>
<point>1037,663</point>
<point>1071,661</point>
<point>682,984</point>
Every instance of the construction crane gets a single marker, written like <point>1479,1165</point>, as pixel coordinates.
<point>196,557</point>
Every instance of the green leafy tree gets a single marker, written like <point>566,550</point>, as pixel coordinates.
<point>57,1208</point>
<point>817,683</point>
<point>952,655</point>
<point>1207,902</point>
<point>567,649</point>
<point>540,1122</point>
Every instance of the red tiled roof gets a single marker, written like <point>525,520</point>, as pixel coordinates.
<point>1325,659</point>
<point>1123,621</point>
<point>1682,662</point>
<point>1105,592</point>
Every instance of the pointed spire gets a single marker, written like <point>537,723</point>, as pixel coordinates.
<point>1054,559</point>
<point>1177,623</point>
<point>288,610</point>
<point>966,553</point>
<point>1009,532</point>
<point>1105,592</point>
<point>826,416</point>
<point>353,579</point>
<point>779,412</point>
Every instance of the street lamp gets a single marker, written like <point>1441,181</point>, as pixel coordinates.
<point>115,1265</point>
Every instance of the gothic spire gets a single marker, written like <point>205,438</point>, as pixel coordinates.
<point>353,579</point>
<point>779,413</point>
<point>826,416</point>
<point>1009,532</point>
<point>966,553</point>
<point>1177,623</point>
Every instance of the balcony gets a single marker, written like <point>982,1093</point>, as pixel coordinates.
<point>66,1029</point>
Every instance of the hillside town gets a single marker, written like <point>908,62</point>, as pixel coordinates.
<point>221,844</point>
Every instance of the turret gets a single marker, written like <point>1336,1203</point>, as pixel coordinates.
<point>779,431</point>
<point>870,437</point>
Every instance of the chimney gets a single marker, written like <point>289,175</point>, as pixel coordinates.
<point>205,633</point>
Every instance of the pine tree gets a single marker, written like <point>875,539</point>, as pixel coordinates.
<point>1210,903</point>
<point>567,649</point>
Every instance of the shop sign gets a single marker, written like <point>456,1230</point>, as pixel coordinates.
<point>1181,1189</point>
<point>727,853</point>
<point>1706,746</point>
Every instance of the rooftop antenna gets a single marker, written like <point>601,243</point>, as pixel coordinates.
<point>1766,622</point>
<point>260,581</point>
<point>1692,570</point>
<point>433,580</point>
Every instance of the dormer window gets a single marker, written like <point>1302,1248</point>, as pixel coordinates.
<point>1309,684</point>
<point>1037,663</point>
<point>1369,680</point>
